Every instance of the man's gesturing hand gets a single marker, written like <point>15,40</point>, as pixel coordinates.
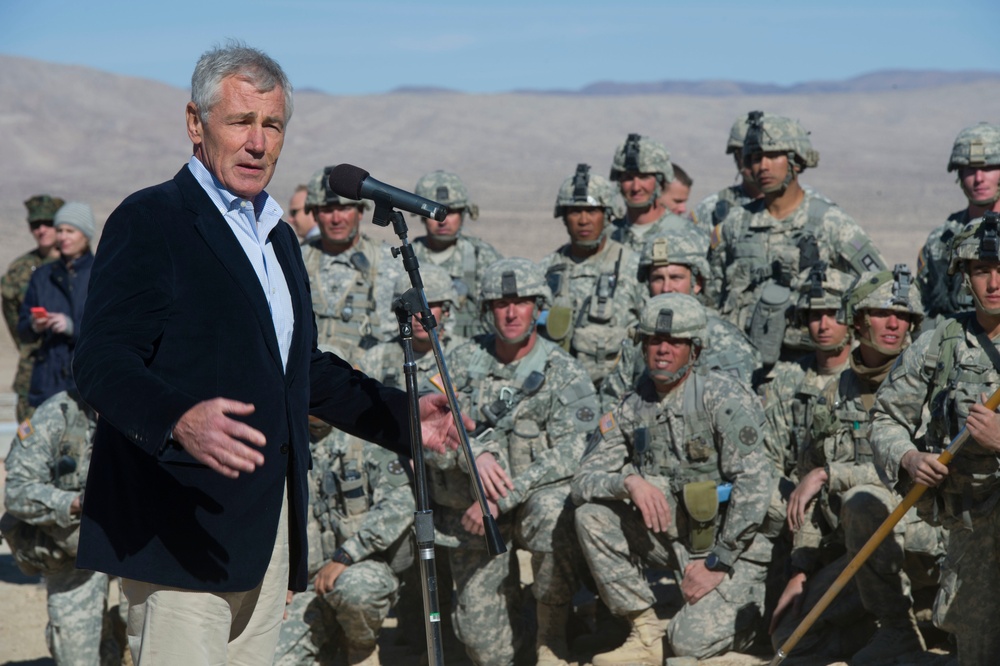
<point>211,437</point>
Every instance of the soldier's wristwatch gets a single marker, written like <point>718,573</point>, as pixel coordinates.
<point>340,555</point>
<point>713,563</point>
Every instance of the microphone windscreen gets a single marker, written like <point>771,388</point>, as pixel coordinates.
<point>346,179</point>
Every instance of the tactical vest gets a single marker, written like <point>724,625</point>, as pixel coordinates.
<point>343,498</point>
<point>72,458</point>
<point>592,336</point>
<point>347,321</point>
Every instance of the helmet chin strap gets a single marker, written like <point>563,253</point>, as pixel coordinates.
<point>651,201</point>
<point>834,348</point>
<point>882,349</point>
<point>350,238</point>
<point>665,377</point>
<point>491,326</point>
<point>979,202</point>
<point>979,304</point>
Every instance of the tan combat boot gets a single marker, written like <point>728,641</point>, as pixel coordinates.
<point>644,645</point>
<point>362,656</point>
<point>550,642</point>
<point>890,641</point>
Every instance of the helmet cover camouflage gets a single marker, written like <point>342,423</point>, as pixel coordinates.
<point>823,289</point>
<point>683,247</point>
<point>586,190</point>
<point>976,146</point>
<point>767,133</point>
<point>43,207</point>
<point>641,154</point>
<point>885,290</point>
<point>319,194</point>
<point>447,189</point>
<point>675,315</point>
<point>514,277</point>
<point>980,239</point>
<point>438,285</point>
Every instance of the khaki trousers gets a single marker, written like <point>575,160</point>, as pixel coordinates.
<point>169,625</point>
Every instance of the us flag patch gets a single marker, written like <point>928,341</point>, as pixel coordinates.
<point>607,423</point>
<point>25,430</point>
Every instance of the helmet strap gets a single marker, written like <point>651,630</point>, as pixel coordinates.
<point>979,304</point>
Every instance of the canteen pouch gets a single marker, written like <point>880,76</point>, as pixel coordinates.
<point>35,550</point>
<point>559,325</point>
<point>701,500</point>
<point>768,321</point>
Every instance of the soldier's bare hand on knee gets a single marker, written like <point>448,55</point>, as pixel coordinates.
<point>924,468</point>
<point>496,482</point>
<point>472,519</point>
<point>798,501</point>
<point>327,577</point>
<point>699,581</point>
<point>650,501</point>
<point>984,425</point>
<point>224,444</point>
<point>791,597</point>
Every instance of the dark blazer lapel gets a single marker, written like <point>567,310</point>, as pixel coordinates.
<point>223,244</point>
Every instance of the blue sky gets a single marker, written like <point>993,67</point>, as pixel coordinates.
<point>373,46</point>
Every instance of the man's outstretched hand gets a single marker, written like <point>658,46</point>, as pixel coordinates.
<point>437,427</point>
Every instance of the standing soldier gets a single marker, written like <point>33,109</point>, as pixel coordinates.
<point>596,295</point>
<point>14,285</point>
<point>677,264</point>
<point>678,476</point>
<point>760,252</point>
<point>976,157</point>
<point>46,470</point>
<point>464,257</point>
<point>351,276</point>
<point>936,388</point>
<point>535,405</point>
<point>642,169</point>
<point>361,508</point>
<point>839,488</point>
<point>714,208</point>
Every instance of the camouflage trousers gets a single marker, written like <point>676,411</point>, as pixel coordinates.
<point>968,602</point>
<point>486,614</point>
<point>22,383</point>
<point>903,560</point>
<point>76,603</point>
<point>358,605</point>
<point>617,547</point>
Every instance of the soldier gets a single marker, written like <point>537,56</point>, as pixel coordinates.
<point>14,285</point>
<point>760,253</point>
<point>678,476</point>
<point>976,157</point>
<point>303,222</point>
<point>46,470</point>
<point>714,208</point>
<point>677,192</point>
<point>361,509</point>
<point>936,387</point>
<point>464,257</point>
<point>677,264</point>
<point>535,405</point>
<point>351,275</point>
<point>642,169</point>
<point>596,295</point>
<point>840,501</point>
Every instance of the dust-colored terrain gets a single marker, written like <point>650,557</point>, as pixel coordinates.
<point>96,137</point>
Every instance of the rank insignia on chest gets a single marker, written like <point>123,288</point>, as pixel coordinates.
<point>607,423</point>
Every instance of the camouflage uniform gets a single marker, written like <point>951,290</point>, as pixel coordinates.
<point>977,146</point>
<point>641,154</point>
<point>538,434</point>
<point>709,429</point>
<point>922,405</point>
<point>351,290</point>
<point>13,287</point>
<point>361,506</point>
<point>55,441</point>
<point>853,503</point>
<point>596,298</point>
<point>714,208</point>
<point>465,260</point>
<point>756,259</point>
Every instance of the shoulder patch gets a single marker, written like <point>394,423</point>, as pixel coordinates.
<point>716,236</point>
<point>748,435</point>
<point>395,467</point>
<point>25,430</point>
<point>585,414</point>
<point>607,423</point>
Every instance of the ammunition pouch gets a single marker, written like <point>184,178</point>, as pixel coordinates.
<point>769,320</point>
<point>521,445</point>
<point>37,550</point>
<point>559,325</point>
<point>354,496</point>
<point>701,502</point>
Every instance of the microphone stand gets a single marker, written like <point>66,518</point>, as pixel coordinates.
<point>414,302</point>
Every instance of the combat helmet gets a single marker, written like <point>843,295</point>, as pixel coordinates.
<point>677,316</point>
<point>684,247</point>
<point>438,285</point>
<point>976,146</point>
<point>822,289</point>
<point>447,189</point>
<point>884,290</point>
<point>642,154</point>
<point>513,277</point>
<point>980,239</point>
<point>585,189</point>
<point>767,133</point>
<point>319,194</point>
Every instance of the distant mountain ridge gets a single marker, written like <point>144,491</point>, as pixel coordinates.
<point>879,81</point>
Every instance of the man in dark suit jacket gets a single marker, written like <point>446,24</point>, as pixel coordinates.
<point>198,349</point>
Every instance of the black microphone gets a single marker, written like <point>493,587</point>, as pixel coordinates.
<point>354,182</point>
